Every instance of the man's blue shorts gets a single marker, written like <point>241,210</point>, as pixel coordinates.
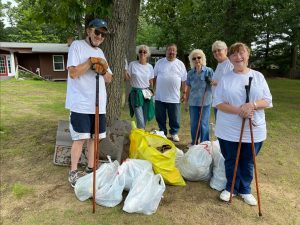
<point>82,126</point>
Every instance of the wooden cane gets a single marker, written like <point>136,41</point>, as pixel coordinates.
<point>200,117</point>
<point>247,88</point>
<point>96,141</point>
<point>255,168</point>
<point>237,160</point>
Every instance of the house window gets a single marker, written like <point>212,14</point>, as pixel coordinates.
<point>58,63</point>
<point>8,63</point>
<point>3,65</point>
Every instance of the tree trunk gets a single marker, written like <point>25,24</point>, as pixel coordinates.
<point>131,39</point>
<point>114,49</point>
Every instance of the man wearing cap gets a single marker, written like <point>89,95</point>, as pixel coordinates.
<point>85,59</point>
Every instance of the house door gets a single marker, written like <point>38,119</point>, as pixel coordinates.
<point>3,66</point>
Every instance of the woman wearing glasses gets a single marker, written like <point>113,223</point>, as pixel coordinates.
<point>198,96</point>
<point>219,49</point>
<point>230,100</point>
<point>140,74</point>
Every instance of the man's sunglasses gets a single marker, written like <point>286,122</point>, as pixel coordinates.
<point>194,58</point>
<point>98,32</point>
<point>142,51</point>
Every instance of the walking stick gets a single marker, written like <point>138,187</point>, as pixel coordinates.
<point>255,168</point>
<point>207,80</point>
<point>96,141</point>
<point>247,87</point>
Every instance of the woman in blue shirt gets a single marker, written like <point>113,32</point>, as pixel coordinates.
<point>198,95</point>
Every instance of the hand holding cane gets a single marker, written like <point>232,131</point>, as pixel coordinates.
<point>247,87</point>
<point>96,141</point>
<point>208,81</point>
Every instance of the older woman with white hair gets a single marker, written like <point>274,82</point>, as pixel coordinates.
<point>198,95</point>
<point>140,74</point>
<point>219,49</point>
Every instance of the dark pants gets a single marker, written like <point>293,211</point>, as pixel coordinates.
<point>244,174</point>
<point>173,111</point>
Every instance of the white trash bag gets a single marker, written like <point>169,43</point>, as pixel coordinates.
<point>196,163</point>
<point>110,194</point>
<point>104,174</point>
<point>218,180</point>
<point>179,156</point>
<point>132,168</point>
<point>145,194</point>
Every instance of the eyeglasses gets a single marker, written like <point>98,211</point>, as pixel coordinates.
<point>142,52</point>
<point>194,58</point>
<point>98,32</point>
<point>217,50</point>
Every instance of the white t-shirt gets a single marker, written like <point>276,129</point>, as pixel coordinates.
<point>81,91</point>
<point>140,74</point>
<point>169,75</point>
<point>222,68</point>
<point>231,90</point>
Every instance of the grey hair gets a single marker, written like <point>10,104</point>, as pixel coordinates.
<point>198,52</point>
<point>144,47</point>
<point>218,45</point>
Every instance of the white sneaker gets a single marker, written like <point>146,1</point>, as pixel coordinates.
<point>249,199</point>
<point>225,195</point>
<point>175,137</point>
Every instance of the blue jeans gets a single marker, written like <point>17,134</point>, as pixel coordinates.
<point>173,111</point>
<point>244,173</point>
<point>203,132</point>
<point>140,114</point>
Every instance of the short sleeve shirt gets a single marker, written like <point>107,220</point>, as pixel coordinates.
<point>169,75</point>
<point>140,74</point>
<point>196,82</point>
<point>81,91</point>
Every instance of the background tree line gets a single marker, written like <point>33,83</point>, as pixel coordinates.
<point>270,27</point>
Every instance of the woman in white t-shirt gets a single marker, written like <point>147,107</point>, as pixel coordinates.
<point>230,98</point>
<point>219,49</point>
<point>140,75</point>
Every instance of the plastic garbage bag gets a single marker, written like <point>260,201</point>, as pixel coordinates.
<point>179,156</point>
<point>218,180</point>
<point>145,195</point>
<point>110,194</point>
<point>196,163</point>
<point>144,145</point>
<point>132,168</point>
<point>104,174</point>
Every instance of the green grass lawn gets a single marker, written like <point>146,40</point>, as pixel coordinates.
<point>35,191</point>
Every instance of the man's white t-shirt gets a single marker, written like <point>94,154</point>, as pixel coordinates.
<point>169,75</point>
<point>140,74</point>
<point>231,90</point>
<point>81,91</point>
<point>222,68</point>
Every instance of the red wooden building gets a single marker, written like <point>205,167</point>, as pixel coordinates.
<point>46,59</point>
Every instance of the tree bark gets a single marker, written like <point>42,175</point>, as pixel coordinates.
<point>131,39</point>
<point>114,49</point>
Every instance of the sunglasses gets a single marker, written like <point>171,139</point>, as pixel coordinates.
<point>217,50</point>
<point>141,51</point>
<point>97,33</point>
<point>194,58</point>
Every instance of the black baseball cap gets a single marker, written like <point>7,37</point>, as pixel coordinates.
<point>98,23</point>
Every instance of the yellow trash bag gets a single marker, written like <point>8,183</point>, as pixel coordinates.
<point>159,151</point>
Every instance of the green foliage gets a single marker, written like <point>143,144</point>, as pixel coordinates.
<point>270,26</point>
<point>50,20</point>
<point>20,190</point>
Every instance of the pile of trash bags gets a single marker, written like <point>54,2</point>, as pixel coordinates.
<point>134,175</point>
<point>154,160</point>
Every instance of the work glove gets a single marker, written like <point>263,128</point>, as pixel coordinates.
<point>99,65</point>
